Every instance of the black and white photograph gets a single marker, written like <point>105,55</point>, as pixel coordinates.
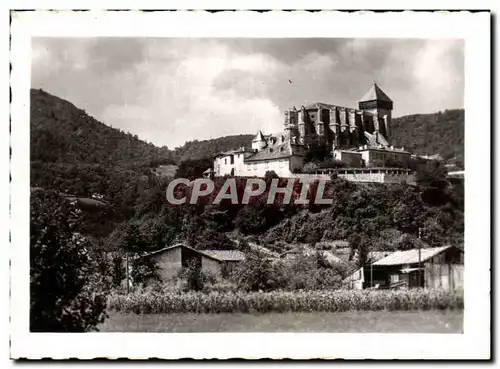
<point>249,183</point>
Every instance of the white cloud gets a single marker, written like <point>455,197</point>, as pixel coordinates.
<point>169,91</point>
<point>178,102</point>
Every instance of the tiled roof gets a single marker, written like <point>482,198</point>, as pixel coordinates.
<point>231,152</point>
<point>411,256</point>
<point>376,93</point>
<point>259,136</point>
<point>316,105</point>
<point>280,150</point>
<point>175,246</point>
<point>225,255</point>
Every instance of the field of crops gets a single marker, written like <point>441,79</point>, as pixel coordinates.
<point>304,301</point>
<point>431,321</point>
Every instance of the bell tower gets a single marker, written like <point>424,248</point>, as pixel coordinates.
<point>377,102</point>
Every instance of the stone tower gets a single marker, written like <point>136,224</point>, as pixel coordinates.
<point>259,142</point>
<point>291,123</point>
<point>379,104</point>
<point>302,116</point>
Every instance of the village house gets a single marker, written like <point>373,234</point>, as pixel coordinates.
<point>437,267</point>
<point>171,260</point>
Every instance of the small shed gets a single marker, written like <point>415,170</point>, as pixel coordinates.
<point>228,260</point>
<point>172,259</point>
<point>435,267</point>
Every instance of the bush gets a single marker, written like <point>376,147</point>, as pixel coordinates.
<point>257,273</point>
<point>333,163</point>
<point>270,174</point>
<point>310,168</point>
<point>316,152</point>
<point>67,286</point>
<point>301,301</point>
<point>195,278</point>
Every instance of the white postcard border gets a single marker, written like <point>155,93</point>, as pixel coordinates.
<point>474,28</point>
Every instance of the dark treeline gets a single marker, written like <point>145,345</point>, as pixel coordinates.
<point>428,134</point>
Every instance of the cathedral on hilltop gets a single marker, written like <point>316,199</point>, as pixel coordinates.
<point>359,137</point>
<point>342,127</point>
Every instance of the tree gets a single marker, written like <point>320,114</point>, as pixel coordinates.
<point>192,169</point>
<point>432,174</point>
<point>393,163</point>
<point>432,177</point>
<point>310,168</point>
<point>316,152</point>
<point>118,269</point>
<point>195,277</point>
<point>67,292</point>
<point>142,269</point>
<point>257,273</point>
<point>270,174</point>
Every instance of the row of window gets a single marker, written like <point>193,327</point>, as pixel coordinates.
<point>266,165</point>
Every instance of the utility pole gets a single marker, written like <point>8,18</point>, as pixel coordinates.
<point>419,258</point>
<point>128,279</point>
<point>371,268</point>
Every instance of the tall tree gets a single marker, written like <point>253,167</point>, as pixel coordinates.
<point>67,291</point>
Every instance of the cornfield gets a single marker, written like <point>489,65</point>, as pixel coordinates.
<point>152,302</point>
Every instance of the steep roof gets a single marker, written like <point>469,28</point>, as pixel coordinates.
<point>280,150</point>
<point>316,105</point>
<point>225,255</point>
<point>376,93</point>
<point>176,246</point>
<point>259,136</point>
<point>411,256</point>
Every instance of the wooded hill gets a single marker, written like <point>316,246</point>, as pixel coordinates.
<point>428,134</point>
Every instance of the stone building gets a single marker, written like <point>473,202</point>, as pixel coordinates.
<point>342,127</point>
<point>357,136</point>
<point>171,260</point>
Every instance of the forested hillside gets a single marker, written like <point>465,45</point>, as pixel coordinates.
<point>73,153</point>
<point>62,133</point>
<point>206,148</point>
<point>427,134</point>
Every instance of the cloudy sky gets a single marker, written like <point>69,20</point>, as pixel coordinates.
<point>169,91</point>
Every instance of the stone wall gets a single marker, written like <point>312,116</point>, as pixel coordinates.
<point>211,266</point>
<point>169,263</point>
<point>365,177</point>
<point>259,168</point>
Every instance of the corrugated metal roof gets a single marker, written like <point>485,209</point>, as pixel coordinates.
<point>378,255</point>
<point>225,255</point>
<point>411,256</point>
